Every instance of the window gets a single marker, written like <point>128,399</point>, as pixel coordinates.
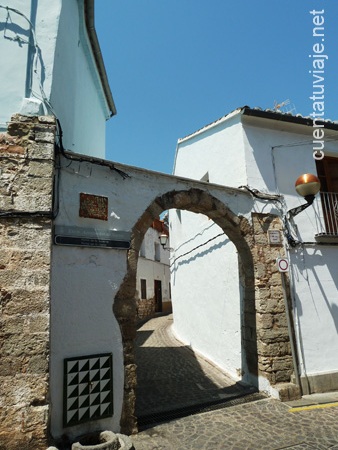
<point>327,170</point>
<point>143,289</point>
<point>157,252</point>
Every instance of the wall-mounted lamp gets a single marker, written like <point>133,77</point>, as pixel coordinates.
<point>163,240</point>
<point>307,185</point>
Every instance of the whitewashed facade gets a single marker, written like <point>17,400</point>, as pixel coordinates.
<point>153,275</point>
<point>54,66</point>
<point>266,151</point>
<point>205,289</point>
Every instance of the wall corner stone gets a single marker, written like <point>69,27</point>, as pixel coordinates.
<point>26,198</point>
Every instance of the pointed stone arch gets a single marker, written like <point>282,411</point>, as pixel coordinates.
<point>239,231</point>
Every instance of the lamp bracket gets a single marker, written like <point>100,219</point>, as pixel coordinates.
<point>294,211</point>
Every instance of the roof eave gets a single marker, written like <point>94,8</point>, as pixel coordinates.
<point>300,120</point>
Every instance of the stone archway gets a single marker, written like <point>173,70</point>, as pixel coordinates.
<point>239,230</point>
<point>267,360</point>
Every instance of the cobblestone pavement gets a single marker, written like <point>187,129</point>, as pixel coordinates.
<point>262,425</point>
<point>170,376</point>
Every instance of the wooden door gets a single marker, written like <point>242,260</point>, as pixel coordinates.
<point>158,295</point>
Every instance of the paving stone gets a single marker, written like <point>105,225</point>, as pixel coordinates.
<point>261,425</point>
<point>170,376</point>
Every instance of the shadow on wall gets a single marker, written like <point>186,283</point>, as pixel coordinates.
<point>315,263</point>
<point>200,254</point>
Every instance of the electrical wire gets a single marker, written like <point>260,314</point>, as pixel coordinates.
<point>261,195</point>
<point>195,248</point>
<point>37,54</point>
<point>75,157</point>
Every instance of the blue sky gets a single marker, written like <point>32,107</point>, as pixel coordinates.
<point>177,65</point>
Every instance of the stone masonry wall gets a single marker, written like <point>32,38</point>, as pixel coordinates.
<point>273,342</point>
<point>145,308</point>
<point>26,192</point>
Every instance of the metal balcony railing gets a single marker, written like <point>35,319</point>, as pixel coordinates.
<point>328,213</point>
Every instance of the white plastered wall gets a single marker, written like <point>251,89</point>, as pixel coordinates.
<point>84,284</point>
<point>56,69</point>
<point>149,269</point>
<point>275,159</point>
<point>205,290</point>
<point>270,156</point>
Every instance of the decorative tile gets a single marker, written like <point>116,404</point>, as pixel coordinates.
<point>88,392</point>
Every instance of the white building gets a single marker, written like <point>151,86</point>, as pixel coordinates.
<point>266,151</point>
<point>54,66</point>
<point>153,275</point>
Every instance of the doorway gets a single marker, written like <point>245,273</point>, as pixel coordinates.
<point>158,295</point>
<point>239,231</point>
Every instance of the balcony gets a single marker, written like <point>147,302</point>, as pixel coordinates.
<point>327,224</point>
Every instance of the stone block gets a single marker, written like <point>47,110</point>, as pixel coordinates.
<point>260,270</point>
<point>37,323</point>
<point>265,320</point>
<point>273,335</point>
<point>276,279</point>
<point>40,151</point>
<point>24,344</point>
<point>182,199</point>
<point>288,391</point>
<point>11,366</point>
<point>34,186</point>
<point>25,258</point>
<point>23,301</point>
<point>272,350</point>
<point>50,120</point>
<point>35,420</point>
<point>42,135</point>
<point>12,324</point>
<point>282,376</point>
<point>38,365</point>
<point>269,305</point>
<point>41,169</point>
<point>130,376</point>
<point>277,291</point>
<point>22,234</point>
<point>282,363</point>
<point>11,149</point>
<point>23,390</point>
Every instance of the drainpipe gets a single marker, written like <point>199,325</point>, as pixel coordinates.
<point>90,26</point>
<point>291,331</point>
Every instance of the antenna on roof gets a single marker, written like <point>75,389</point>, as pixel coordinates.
<point>285,107</point>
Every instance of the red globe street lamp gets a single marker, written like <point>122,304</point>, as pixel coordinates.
<point>307,185</point>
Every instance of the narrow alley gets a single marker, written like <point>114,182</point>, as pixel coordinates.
<point>173,381</point>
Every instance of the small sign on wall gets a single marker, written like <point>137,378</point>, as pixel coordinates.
<point>93,206</point>
<point>283,264</point>
<point>91,237</point>
<point>274,237</point>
